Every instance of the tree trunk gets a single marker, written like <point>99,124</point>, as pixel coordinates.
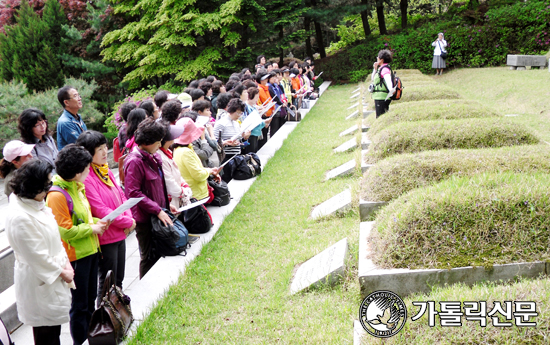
<point>309,51</point>
<point>404,4</point>
<point>319,37</point>
<point>365,18</point>
<point>281,51</point>
<point>380,15</point>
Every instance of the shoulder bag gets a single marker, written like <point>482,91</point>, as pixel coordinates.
<point>111,321</point>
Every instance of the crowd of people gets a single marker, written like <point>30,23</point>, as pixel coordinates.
<point>171,146</point>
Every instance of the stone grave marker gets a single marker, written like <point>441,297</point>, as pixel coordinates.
<point>344,169</point>
<point>348,145</point>
<point>338,203</point>
<point>353,115</point>
<point>327,267</point>
<point>349,131</point>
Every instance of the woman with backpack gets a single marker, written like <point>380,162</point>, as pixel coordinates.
<point>105,195</point>
<point>79,233</point>
<point>382,80</point>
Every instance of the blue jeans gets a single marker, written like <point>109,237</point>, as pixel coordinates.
<point>83,304</point>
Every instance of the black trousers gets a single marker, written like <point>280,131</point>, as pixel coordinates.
<point>112,257</point>
<point>262,142</point>
<point>253,147</point>
<point>381,107</point>
<point>144,236</point>
<point>46,335</point>
<point>83,304</point>
<point>276,123</point>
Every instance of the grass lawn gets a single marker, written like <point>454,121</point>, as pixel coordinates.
<point>237,290</point>
<point>524,93</point>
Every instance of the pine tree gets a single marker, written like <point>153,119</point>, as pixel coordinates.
<point>29,52</point>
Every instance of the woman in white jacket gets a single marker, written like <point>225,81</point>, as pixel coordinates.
<point>43,273</point>
<point>438,62</point>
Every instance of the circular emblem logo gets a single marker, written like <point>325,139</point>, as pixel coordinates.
<point>383,314</point>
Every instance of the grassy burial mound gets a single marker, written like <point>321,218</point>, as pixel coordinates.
<point>448,109</point>
<point>416,79</point>
<point>480,221</point>
<point>397,175</point>
<point>427,92</point>
<point>409,137</point>
<point>408,72</point>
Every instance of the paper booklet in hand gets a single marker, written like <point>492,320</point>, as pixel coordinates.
<point>128,204</point>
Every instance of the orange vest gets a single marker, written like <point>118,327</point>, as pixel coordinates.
<point>264,96</point>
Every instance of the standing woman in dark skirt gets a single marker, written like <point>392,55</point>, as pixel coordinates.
<point>438,62</point>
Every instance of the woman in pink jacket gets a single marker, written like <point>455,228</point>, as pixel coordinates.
<point>105,195</point>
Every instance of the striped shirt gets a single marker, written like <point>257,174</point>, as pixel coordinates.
<point>228,129</point>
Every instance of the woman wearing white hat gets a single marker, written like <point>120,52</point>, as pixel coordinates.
<point>15,154</point>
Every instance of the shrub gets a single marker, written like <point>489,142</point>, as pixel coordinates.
<point>431,110</point>
<point>472,133</point>
<point>16,98</point>
<point>426,92</point>
<point>395,176</point>
<point>480,221</point>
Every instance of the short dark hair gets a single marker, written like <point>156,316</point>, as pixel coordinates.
<point>234,105</point>
<point>171,110</point>
<point>230,84</point>
<point>276,71</point>
<point>63,94</point>
<point>160,97</point>
<point>210,78</point>
<point>259,76</point>
<point>150,131</point>
<point>252,92</point>
<point>194,84</point>
<point>135,117</point>
<point>125,109</point>
<point>223,100</point>
<point>238,89</point>
<point>71,160</point>
<point>385,55</point>
<point>244,70</point>
<point>294,71</point>
<point>268,63</point>
<point>196,94</point>
<point>31,178</point>
<point>90,140</point>
<point>6,166</point>
<point>291,64</point>
<point>216,85</point>
<point>200,105</point>
<point>246,77</point>
<point>149,107</point>
<point>259,58</point>
<point>26,122</point>
<point>249,83</point>
<point>205,86</point>
<point>190,114</point>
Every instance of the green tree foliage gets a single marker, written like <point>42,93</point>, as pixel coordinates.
<point>29,52</point>
<point>15,97</point>
<point>177,38</point>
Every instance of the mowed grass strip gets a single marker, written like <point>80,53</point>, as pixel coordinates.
<point>468,221</point>
<point>395,176</point>
<point>237,290</point>
<point>405,137</point>
<point>429,110</point>
<point>406,72</point>
<point>420,333</point>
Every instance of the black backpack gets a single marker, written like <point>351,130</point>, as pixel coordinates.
<point>169,240</point>
<point>396,82</point>
<point>222,196</point>
<point>196,219</point>
<point>246,166</point>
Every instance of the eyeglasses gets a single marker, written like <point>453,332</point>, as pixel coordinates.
<point>41,124</point>
<point>77,96</point>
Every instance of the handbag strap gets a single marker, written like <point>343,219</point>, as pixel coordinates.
<point>107,283</point>
<point>441,49</point>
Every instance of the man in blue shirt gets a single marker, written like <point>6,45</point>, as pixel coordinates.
<point>70,124</point>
